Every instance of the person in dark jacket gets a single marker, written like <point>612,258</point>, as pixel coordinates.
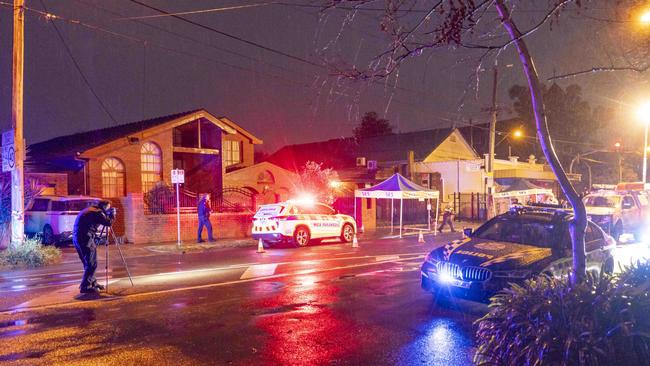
<point>83,236</point>
<point>204,218</point>
<point>447,219</point>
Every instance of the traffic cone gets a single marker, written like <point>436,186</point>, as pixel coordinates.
<point>355,242</point>
<point>260,246</point>
<point>420,237</point>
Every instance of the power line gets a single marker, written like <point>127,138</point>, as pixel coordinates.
<point>231,36</point>
<point>76,65</point>
<point>202,11</point>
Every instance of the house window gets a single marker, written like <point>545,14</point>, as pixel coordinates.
<point>231,152</point>
<point>112,178</point>
<point>150,165</point>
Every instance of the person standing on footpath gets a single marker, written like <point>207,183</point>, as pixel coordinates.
<point>204,210</point>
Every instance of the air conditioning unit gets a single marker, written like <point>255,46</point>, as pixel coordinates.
<point>372,164</point>
<point>361,161</point>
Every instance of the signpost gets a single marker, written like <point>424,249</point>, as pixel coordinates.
<point>178,178</point>
<point>8,151</point>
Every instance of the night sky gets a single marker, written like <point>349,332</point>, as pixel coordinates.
<point>277,98</point>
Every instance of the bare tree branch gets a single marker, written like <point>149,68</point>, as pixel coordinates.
<point>600,69</point>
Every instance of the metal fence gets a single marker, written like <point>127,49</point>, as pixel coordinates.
<point>234,199</point>
<point>470,206</point>
<point>163,201</point>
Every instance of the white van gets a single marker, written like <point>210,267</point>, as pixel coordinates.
<point>53,217</point>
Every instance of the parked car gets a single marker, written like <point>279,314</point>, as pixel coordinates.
<point>52,217</point>
<point>618,212</point>
<point>301,223</point>
<point>511,248</point>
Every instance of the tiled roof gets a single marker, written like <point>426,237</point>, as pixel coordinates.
<point>342,153</point>
<point>64,147</point>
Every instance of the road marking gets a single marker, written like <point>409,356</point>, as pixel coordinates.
<point>386,257</point>
<point>260,270</point>
<point>21,308</point>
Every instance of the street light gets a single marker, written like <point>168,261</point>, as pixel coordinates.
<point>643,112</point>
<point>644,18</point>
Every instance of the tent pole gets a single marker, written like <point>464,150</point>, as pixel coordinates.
<point>392,213</point>
<point>355,210</point>
<point>401,211</point>
<point>429,214</point>
<point>437,208</point>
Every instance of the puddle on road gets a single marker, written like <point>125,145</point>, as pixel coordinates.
<point>14,323</point>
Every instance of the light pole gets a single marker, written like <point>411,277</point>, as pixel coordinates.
<point>644,114</point>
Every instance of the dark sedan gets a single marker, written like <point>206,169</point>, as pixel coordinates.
<point>509,248</point>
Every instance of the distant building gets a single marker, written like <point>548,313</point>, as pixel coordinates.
<point>450,160</point>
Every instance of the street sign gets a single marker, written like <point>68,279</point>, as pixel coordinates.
<point>8,151</point>
<point>178,176</point>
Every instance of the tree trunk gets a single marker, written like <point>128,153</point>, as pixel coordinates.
<point>579,223</point>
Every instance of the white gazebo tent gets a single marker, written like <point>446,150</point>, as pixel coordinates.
<point>521,188</point>
<point>398,187</point>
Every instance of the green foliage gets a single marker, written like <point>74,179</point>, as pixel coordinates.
<point>546,321</point>
<point>30,253</point>
<point>571,119</point>
<point>315,180</point>
<point>156,198</point>
<point>371,125</point>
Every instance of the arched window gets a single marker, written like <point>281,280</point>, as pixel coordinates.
<point>150,165</point>
<point>112,178</point>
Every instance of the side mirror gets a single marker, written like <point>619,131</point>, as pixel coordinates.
<point>468,231</point>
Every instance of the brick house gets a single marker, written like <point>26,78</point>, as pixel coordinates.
<point>132,158</point>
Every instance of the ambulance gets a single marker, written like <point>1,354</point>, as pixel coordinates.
<point>301,222</point>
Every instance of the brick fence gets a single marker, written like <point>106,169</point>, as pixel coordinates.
<point>141,228</point>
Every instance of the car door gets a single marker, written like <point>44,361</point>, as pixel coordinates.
<point>594,244</point>
<point>36,216</point>
<point>630,212</point>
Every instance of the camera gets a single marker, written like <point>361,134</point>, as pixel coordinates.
<point>111,213</point>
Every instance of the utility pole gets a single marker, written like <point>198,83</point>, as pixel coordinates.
<point>493,123</point>
<point>17,174</point>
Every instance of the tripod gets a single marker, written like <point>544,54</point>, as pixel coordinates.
<point>104,235</point>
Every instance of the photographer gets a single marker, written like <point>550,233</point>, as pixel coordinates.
<point>84,234</point>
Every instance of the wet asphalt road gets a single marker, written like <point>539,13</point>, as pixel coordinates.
<point>328,304</point>
<point>323,305</point>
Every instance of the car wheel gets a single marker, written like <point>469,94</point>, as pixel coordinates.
<point>347,233</point>
<point>266,244</point>
<point>617,231</point>
<point>301,236</point>
<point>47,238</point>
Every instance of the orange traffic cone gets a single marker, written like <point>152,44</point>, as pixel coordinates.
<point>355,242</point>
<point>421,237</point>
<point>260,246</point>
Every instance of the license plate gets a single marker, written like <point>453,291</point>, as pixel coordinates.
<point>459,283</point>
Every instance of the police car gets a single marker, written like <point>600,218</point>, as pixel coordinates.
<point>301,222</point>
<point>511,248</point>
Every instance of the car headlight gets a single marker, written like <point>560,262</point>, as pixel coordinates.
<point>431,259</point>
<point>518,273</point>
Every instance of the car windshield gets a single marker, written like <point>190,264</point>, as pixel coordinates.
<point>602,201</point>
<point>72,205</point>
<point>536,231</point>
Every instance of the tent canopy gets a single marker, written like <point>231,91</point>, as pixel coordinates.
<point>396,187</point>
<point>522,187</point>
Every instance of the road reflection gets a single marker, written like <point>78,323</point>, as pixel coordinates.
<point>302,327</point>
<point>442,341</point>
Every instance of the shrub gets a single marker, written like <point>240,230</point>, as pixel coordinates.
<point>30,253</point>
<point>548,322</point>
<point>159,198</point>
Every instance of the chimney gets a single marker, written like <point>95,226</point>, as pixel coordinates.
<point>532,159</point>
<point>411,164</point>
